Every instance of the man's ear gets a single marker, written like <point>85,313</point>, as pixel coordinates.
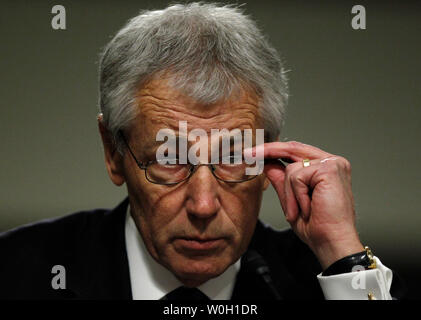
<point>113,159</point>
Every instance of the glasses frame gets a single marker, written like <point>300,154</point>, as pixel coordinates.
<point>192,168</point>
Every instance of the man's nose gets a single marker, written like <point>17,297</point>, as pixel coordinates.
<point>203,201</point>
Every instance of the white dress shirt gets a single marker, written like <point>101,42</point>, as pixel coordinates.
<point>375,283</point>
<point>151,281</point>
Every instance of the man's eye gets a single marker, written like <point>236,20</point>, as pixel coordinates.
<point>170,168</point>
<point>169,162</point>
<point>168,165</point>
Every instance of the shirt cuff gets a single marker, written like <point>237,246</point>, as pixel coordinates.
<point>358,285</point>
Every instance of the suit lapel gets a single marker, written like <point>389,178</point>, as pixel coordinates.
<point>102,267</point>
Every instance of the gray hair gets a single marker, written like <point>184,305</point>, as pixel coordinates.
<point>209,50</point>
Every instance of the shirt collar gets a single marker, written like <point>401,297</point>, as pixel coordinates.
<point>151,281</point>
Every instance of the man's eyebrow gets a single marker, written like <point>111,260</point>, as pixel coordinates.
<point>178,138</point>
<point>151,146</point>
<point>232,138</point>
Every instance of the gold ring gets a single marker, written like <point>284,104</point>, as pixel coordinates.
<point>306,163</point>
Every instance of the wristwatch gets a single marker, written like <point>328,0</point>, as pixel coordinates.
<point>364,259</point>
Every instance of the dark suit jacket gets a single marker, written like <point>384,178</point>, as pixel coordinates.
<point>91,247</point>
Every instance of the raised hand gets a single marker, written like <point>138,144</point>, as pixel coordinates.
<point>317,198</point>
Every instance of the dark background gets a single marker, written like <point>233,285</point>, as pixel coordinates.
<point>354,93</point>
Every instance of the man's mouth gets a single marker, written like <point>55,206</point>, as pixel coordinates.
<point>198,244</point>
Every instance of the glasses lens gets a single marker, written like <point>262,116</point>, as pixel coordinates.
<point>234,172</point>
<point>166,173</point>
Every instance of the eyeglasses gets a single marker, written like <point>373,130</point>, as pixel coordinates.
<point>165,173</point>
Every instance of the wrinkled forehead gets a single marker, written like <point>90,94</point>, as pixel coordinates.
<point>161,107</point>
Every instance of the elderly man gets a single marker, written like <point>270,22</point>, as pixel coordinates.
<point>191,230</point>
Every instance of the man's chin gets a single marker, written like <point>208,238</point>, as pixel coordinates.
<point>195,272</point>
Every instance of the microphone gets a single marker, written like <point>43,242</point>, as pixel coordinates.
<point>255,263</point>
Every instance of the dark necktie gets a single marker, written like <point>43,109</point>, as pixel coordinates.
<point>186,294</point>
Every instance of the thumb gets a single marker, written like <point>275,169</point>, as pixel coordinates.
<point>276,175</point>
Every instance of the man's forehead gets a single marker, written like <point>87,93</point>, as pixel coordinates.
<point>162,107</point>
<point>159,102</point>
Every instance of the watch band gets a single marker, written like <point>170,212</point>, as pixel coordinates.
<point>364,259</point>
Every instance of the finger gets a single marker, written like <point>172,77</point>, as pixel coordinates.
<point>291,204</point>
<point>297,180</point>
<point>293,150</point>
<point>303,181</point>
<point>301,190</point>
<point>276,175</point>
<point>280,178</point>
